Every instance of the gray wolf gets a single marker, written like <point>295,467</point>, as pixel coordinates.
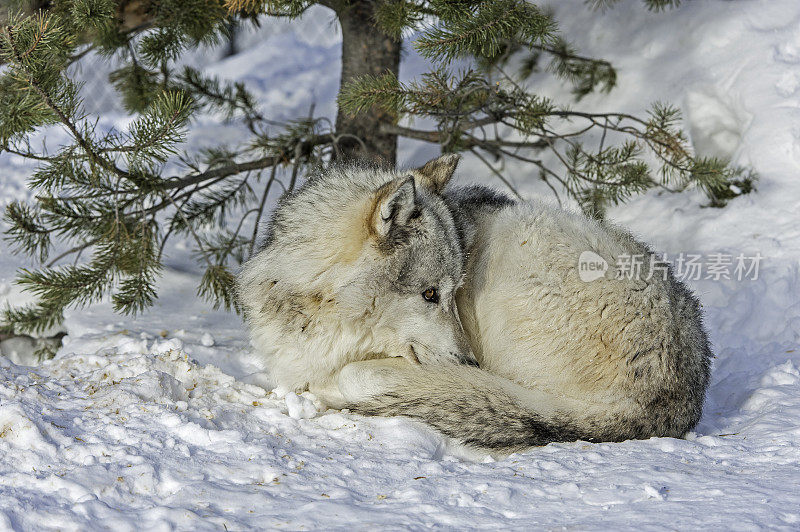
<point>392,293</point>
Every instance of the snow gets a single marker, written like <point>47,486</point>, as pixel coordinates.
<point>207,340</point>
<point>167,421</point>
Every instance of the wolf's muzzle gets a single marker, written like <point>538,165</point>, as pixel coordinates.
<point>467,360</point>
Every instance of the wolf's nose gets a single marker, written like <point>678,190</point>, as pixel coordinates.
<point>467,360</point>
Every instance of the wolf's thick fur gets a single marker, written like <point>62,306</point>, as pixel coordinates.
<point>336,293</point>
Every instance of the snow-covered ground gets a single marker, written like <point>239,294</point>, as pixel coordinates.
<point>159,422</point>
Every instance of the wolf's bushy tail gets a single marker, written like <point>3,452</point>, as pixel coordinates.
<point>479,409</point>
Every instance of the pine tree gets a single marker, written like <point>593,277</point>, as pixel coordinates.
<point>106,195</point>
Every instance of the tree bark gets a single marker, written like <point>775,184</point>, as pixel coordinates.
<point>366,51</point>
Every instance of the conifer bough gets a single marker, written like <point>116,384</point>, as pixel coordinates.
<point>105,207</point>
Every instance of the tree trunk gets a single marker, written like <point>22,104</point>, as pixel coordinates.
<point>366,50</point>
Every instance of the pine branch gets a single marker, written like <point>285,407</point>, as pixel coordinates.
<point>483,32</point>
<point>62,116</point>
<point>238,168</point>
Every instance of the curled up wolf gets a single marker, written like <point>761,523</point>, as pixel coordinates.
<point>391,293</point>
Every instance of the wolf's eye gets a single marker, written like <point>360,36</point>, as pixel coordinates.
<point>431,295</point>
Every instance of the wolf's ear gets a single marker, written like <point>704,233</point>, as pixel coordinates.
<point>437,172</point>
<point>395,204</point>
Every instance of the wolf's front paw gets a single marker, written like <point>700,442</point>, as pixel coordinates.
<point>359,381</point>
<point>329,394</point>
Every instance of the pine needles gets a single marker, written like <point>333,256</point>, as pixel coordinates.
<point>595,159</point>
